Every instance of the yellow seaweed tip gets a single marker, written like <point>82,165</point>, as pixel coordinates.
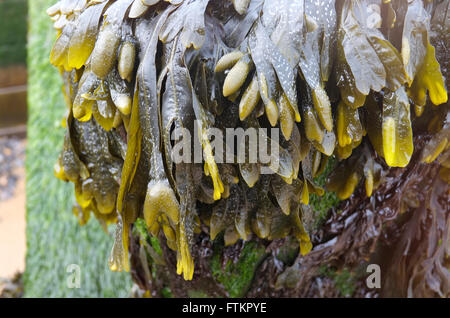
<point>369,183</point>
<point>349,187</point>
<point>235,78</point>
<point>250,99</point>
<point>58,171</point>
<point>212,170</point>
<point>323,107</point>
<point>272,112</point>
<point>305,247</point>
<point>343,137</point>
<point>429,78</point>
<point>123,103</point>
<point>228,61</point>
<point>389,141</point>
<point>160,199</point>
<point>185,263</point>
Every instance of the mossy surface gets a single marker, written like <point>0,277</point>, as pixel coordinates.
<point>344,280</point>
<point>54,237</point>
<point>197,294</point>
<point>236,277</point>
<point>322,204</point>
<point>13,32</point>
<point>288,252</point>
<point>166,292</point>
<point>141,228</point>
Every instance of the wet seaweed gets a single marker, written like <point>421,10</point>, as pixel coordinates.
<point>137,70</point>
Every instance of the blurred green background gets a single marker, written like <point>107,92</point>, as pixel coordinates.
<point>13,30</point>
<point>54,238</point>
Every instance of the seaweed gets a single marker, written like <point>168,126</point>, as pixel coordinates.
<point>137,71</point>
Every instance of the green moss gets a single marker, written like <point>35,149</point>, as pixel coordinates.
<point>344,280</point>
<point>237,277</point>
<point>197,294</point>
<point>155,244</point>
<point>166,292</point>
<point>345,283</point>
<point>54,237</point>
<point>322,204</point>
<point>141,228</point>
<point>288,252</point>
<point>13,32</point>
